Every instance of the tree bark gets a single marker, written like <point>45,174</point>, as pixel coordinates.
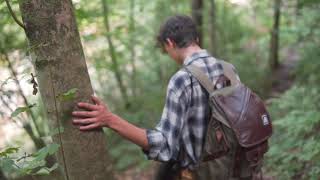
<point>197,7</point>
<point>60,66</point>
<point>115,65</point>
<point>274,42</point>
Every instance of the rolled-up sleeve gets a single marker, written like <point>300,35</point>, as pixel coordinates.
<point>164,139</point>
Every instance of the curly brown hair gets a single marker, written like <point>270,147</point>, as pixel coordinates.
<point>179,28</point>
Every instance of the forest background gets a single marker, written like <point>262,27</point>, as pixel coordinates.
<point>274,45</point>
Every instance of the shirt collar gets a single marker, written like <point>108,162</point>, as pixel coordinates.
<point>194,56</point>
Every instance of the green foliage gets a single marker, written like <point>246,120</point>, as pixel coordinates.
<point>239,42</point>
<point>21,109</point>
<point>8,151</point>
<point>28,164</point>
<point>295,147</point>
<point>11,34</point>
<point>242,38</point>
<point>69,95</point>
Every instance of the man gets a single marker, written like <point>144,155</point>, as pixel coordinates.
<point>179,136</point>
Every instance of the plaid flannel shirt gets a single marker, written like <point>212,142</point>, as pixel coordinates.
<point>185,115</point>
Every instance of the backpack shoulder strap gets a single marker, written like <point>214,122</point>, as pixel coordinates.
<point>230,72</point>
<point>201,77</point>
<point>207,84</point>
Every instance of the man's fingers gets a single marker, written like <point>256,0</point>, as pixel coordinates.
<point>96,99</point>
<point>87,106</point>
<point>84,121</point>
<point>89,127</point>
<point>84,113</point>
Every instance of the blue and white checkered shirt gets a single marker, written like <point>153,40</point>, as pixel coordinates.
<point>185,115</point>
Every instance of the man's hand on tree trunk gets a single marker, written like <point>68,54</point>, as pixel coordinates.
<point>95,115</point>
<point>98,115</point>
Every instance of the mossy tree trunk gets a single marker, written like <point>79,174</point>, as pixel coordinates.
<point>60,66</point>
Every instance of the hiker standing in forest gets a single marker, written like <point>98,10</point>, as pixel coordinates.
<point>178,139</point>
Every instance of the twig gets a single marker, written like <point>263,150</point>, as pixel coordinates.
<point>14,15</point>
<point>17,165</point>
<point>24,157</point>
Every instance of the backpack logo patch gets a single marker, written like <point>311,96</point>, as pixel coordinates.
<point>265,120</point>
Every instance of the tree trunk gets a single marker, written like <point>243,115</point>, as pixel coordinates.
<point>274,42</point>
<point>60,66</point>
<point>213,27</point>
<point>38,142</point>
<point>132,47</point>
<point>298,8</point>
<point>197,6</point>
<point>115,65</point>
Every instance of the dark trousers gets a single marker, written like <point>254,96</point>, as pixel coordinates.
<point>168,171</point>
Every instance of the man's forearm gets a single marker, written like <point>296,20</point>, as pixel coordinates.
<point>129,131</point>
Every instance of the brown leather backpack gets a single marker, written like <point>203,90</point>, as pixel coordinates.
<point>235,106</point>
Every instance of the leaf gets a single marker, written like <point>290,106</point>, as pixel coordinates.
<point>39,160</point>
<point>8,151</point>
<point>46,171</point>
<point>21,109</point>
<point>7,165</point>
<point>41,154</point>
<point>42,171</point>
<point>69,95</point>
<point>29,166</point>
<point>55,166</point>
<point>45,151</point>
<point>35,164</point>
<point>53,148</point>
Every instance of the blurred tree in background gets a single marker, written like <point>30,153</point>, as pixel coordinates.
<point>131,74</point>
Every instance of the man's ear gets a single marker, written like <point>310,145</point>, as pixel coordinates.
<point>170,43</point>
<point>198,41</point>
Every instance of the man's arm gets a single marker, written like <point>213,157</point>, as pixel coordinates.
<point>98,115</point>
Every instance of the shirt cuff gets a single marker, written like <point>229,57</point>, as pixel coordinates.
<point>155,142</point>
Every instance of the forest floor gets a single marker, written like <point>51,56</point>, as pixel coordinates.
<point>283,79</point>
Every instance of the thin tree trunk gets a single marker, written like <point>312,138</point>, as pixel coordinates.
<point>298,8</point>
<point>132,46</point>
<point>197,7</point>
<point>38,142</point>
<point>213,27</point>
<point>115,65</point>
<point>60,66</point>
<point>274,42</point>
<point>25,101</point>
